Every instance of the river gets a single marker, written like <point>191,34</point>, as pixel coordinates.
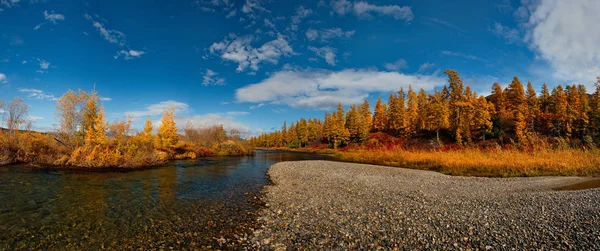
<point>204,203</point>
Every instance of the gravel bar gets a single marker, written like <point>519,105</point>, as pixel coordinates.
<point>334,205</point>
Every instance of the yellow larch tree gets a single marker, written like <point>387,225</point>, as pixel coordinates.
<point>412,112</point>
<point>365,120</point>
<point>379,118</point>
<point>167,135</point>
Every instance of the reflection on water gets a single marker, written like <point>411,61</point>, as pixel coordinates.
<point>183,204</point>
<point>595,183</point>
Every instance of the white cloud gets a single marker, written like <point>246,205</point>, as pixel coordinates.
<point>34,118</point>
<point>241,51</point>
<point>396,66</point>
<point>3,78</point>
<point>324,89</point>
<point>460,54</point>
<point>269,24</point>
<point>326,52</point>
<point>53,17</point>
<point>224,6</point>
<point>9,3</point>
<point>105,99</point>
<point>44,65</point>
<point>301,13</point>
<point>426,66</point>
<point>130,54</point>
<point>510,35</point>
<point>257,106</point>
<point>251,6</point>
<point>312,34</point>
<point>159,108</point>
<point>24,62</point>
<point>210,78</point>
<point>566,35</point>
<point>364,9</point>
<point>231,14</point>
<point>112,36</point>
<point>341,7</point>
<point>37,94</point>
<point>327,34</point>
<point>238,113</point>
<point>444,23</point>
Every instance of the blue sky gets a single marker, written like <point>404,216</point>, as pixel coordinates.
<point>252,64</point>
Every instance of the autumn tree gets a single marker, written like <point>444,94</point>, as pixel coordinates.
<point>365,120</point>
<point>94,122</point>
<point>70,108</point>
<point>353,123</point>
<point>456,104</point>
<point>313,131</point>
<point>302,132</point>
<point>482,119</point>
<point>559,109</point>
<point>167,135</point>
<point>412,112</point>
<point>533,106</point>
<point>146,134</point>
<point>516,106</point>
<point>379,118</point>
<point>438,118</point>
<point>423,109</point>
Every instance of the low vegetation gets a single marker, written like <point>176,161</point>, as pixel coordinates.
<point>512,132</point>
<point>85,140</point>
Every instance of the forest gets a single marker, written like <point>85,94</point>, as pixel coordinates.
<point>512,132</point>
<point>84,139</point>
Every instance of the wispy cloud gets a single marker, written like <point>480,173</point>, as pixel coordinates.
<point>460,54</point>
<point>327,34</point>
<point>112,36</point>
<point>241,51</point>
<point>364,9</point>
<point>210,78</point>
<point>53,17</point>
<point>327,53</point>
<point>44,65</point>
<point>238,113</point>
<point>314,88</point>
<point>37,94</point>
<point>510,35</point>
<point>426,66</point>
<point>130,54</point>
<point>159,108</point>
<point>397,65</point>
<point>3,78</point>
<point>443,23</point>
<point>301,13</point>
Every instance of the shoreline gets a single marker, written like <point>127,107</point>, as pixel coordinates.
<point>339,205</point>
<point>71,168</point>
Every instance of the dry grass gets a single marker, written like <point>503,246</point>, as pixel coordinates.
<point>476,162</point>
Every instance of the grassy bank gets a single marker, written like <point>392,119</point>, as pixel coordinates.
<point>488,163</point>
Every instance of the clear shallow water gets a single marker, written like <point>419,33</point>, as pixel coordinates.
<point>185,204</point>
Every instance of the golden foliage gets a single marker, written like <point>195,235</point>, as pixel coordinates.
<point>495,162</point>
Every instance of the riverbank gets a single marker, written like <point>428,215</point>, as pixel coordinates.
<point>474,161</point>
<point>334,205</point>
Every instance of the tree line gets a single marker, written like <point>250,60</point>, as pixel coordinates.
<point>84,138</point>
<point>516,115</point>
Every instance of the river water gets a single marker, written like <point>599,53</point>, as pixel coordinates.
<point>205,203</point>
